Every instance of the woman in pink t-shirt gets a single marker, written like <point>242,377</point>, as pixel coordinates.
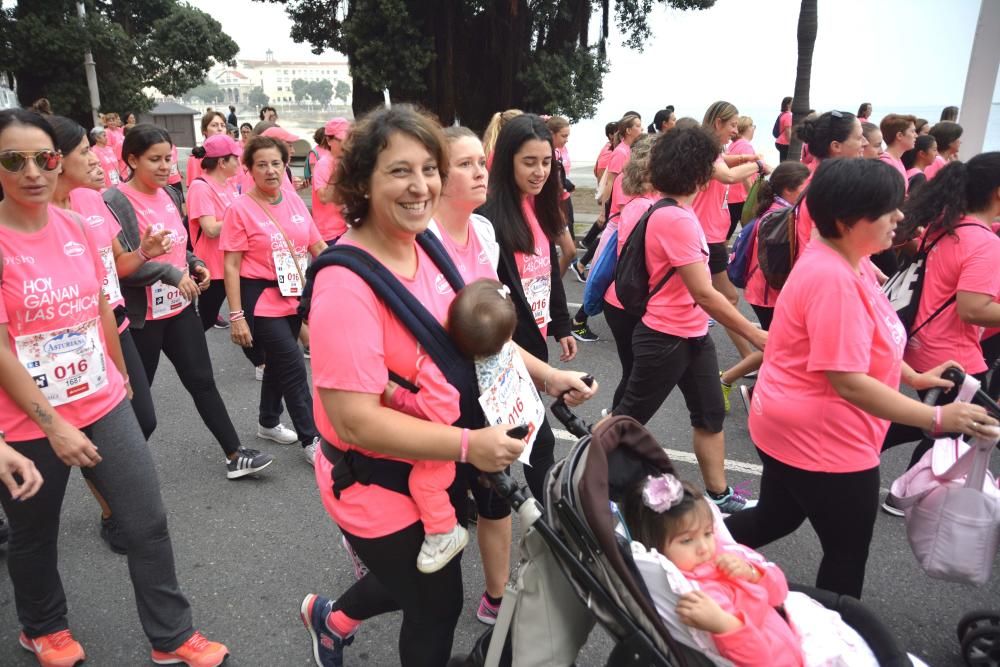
<point>738,191</point>
<point>390,182</point>
<point>961,285</point>
<point>106,155</point>
<point>326,210</point>
<point>212,123</point>
<point>158,297</point>
<point>268,236</point>
<point>948,135</point>
<point>61,370</point>
<point>629,129</point>
<point>523,204</point>
<point>917,159</point>
<point>721,121</point>
<point>209,197</point>
<point>829,384</point>
<point>783,127</point>
<point>671,346</point>
<point>559,127</point>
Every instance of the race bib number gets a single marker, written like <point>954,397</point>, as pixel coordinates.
<point>166,299</point>
<point>508,395</point>
<point>289,277</point>
<point>111,287</point>
<point>66,364</point>
<point>537,291</point>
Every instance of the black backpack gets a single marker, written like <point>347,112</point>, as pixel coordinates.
<point>631,274</point>
<point>777,244</point>
<point>776,130</point>
<point>906,286</point>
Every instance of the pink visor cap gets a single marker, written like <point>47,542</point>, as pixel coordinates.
<point>280,134</point>
<point>337,127</point>
<point>221,145</point>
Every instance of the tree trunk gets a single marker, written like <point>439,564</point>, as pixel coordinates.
<point>808,21</point>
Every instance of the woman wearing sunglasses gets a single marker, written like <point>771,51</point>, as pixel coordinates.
<point>61,370</point>
<point>158,296</point>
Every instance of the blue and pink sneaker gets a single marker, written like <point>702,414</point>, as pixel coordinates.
<point>328,646</point>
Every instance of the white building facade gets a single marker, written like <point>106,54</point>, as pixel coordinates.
<point>275,77</point>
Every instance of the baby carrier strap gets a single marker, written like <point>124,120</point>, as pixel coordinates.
<point>355,466</point>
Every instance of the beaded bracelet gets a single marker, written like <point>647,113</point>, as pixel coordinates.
<point>143,255</point>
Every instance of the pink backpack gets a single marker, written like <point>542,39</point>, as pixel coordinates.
<point>952,506</point>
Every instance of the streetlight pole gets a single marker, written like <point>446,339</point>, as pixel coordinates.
<point>91,70</point>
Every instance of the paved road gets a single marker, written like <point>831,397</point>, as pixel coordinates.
<point>247,551</point>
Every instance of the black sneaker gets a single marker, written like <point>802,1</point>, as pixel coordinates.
<point>579,271</point>
<point>889,506</point>
<point>112,536</point>
<point>582,332</point>
<point>247,462</point>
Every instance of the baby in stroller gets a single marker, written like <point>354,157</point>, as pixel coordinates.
<point>738,596</point>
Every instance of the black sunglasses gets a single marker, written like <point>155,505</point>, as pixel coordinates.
<point>14,161</point>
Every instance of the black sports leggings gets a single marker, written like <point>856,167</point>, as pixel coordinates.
<point>142,397</point>
<point>182,339</point>
<point>840,506</point>
<point>622,325</point>
<point>209,303</point>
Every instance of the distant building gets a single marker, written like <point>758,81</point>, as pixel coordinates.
<point>275,77</point>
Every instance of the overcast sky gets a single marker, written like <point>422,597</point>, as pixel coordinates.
<point>891,52</point>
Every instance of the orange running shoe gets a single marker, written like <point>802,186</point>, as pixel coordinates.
<point>195,652</point>
<point>58,649</point>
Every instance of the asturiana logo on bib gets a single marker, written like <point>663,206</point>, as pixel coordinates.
<point>298,219</point>
<point>95,220</point>
<point>441,284</point>
<point>64,342</point>
<point>73,249</point>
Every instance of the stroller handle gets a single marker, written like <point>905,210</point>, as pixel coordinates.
<point>957,377</point>
<point>573,424</point>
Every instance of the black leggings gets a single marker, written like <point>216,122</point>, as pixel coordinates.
<point>142,397</point>
<point>735,213</point>
<point>782,151</point>
<point>841,508</point>
<point>991,353</point>
<point>209,303</point>
<point>622,325</point>
<point>284,376</point>
<point>182,339</point>
<point>542,460</point>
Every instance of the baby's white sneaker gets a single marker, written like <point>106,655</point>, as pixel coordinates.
<point>439,548</point>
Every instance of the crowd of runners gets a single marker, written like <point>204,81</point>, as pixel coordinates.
<point>446,253</point>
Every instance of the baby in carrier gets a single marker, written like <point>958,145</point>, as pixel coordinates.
<point>481,321</point>
<point>738,589</point>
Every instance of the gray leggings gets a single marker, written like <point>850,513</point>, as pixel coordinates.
<point>127,480</point>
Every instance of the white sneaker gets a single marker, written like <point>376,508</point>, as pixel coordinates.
<point>280,434</point>
<point>440,548</point>
<point>258,373</point>
<point>310,451</point>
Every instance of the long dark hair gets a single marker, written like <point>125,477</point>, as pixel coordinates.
<point>923,144</point>
<point>503,204</point>
<point>10,117</point>
<point>786,176</point>
<point>956,190</point>
<point>69,133</point>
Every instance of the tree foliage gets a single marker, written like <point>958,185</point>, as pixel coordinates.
<point>207,91</point>
<point>135,43</point>
<point>342,91</point>
<point>257,98</point>
<point>465,59</point>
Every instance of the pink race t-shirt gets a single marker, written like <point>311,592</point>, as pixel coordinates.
<point>896,164</point>
<point>536,270</point>
<point>784,122</point>
<point>737,191</point>
<point>604,157</point>
<point>104,229</point>
<point>207,197</point>
<point>50,295</point>
<point>710,207</point>
<point>618,159</point>
<point>934,167</point>
<point>965,262</point>
<point>109,164</point>
<point>359,363</point>
<point>629,218</point>
<point>193,169</point>
<point>828,318</point>
<point>472,261</point>
<point>329,218</point>
<point>674,239</point>
<point>249,229</point>
<point>157,211</point>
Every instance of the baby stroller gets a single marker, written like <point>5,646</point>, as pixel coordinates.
<point>577,570</point>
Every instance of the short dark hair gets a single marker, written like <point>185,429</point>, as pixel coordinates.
<point>265,109</point>
<point>207,118</point>
<point>259,143</point>
<point>819,132</point>
<point>482,318</point>
<point>895,123</point>
<point>946,132</point>
<point>865,109</point>
<point>852,189</point>
<point>368,138</point>
<point>141,138</point>
<point>786,103</point>
<point>682,160</point>
<point>949,113</point>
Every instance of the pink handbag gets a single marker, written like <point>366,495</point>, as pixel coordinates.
<point>952,506</point>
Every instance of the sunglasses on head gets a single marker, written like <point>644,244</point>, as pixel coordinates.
<point>15,161</point>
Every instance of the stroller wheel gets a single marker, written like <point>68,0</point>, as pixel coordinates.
<point>981,646</point>
<point>980,618</point>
